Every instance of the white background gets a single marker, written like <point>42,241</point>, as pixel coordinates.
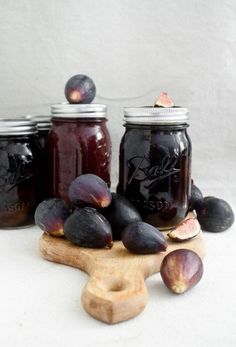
<point>132,50</point>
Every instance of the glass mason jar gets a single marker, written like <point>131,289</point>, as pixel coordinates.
<point>18,172</point>
<point>44,124</point>
<point>155,164</point>
<point>78,143</point>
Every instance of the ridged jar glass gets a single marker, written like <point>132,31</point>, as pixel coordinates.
<point>19,188</point>
<point>44,124</point>
<point>78,143</point>
<point>155,164</point>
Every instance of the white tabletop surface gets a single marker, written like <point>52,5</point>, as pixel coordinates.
<point>40,302</point>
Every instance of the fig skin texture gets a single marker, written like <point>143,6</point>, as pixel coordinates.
<point>89,190</point>
<point>181,270</point>
<point>143,238</point>
<point>88,228</point>
<point>80,89</point>
<point>188,229</point>
<point>215,215</point>
<point>120,213</point>
<point>50,216</point>
<point>164,100</point>
<point>196,198</point>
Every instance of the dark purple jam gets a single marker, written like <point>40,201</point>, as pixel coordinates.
<point>155,170</point>
<point>18,173</point>
<point>77,144</point>
<point>43,125</point>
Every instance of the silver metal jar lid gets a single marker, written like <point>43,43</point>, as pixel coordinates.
<point>156,115</point>
<point>43,122</point>
<point>66,110</point>
<point>17,126</point>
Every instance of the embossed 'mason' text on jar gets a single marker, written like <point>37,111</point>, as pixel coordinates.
<point>155,164</point>
<point>18,172</point>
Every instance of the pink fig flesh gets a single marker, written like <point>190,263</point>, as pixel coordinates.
<point>164,100</point>
<point>181,270</point>
<point>188,229</point>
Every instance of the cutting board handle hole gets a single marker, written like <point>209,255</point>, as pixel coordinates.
<point>117,287</point>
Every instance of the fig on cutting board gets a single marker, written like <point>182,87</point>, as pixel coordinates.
<point>181,269</point>
<point>50,216</point>
<point>120,213</point>
<point>164,100</point>
<point>87,228</point>
<point>89,190</point>
<point>188,229</point>
<point>143,238</point>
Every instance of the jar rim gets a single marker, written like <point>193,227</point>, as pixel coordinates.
<point>17,126</point>
<point>156,115</point>
<point>43,122</point>
<point>67,110</point>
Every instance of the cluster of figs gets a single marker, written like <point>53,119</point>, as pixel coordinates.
<point>98,217</point>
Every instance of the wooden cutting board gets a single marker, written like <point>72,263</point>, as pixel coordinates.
<point>116,290</point>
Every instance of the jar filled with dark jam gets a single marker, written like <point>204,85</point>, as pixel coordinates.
<point>18,172</point>
<point>78,143</point>
<point>155,164</point>
<point>44,124</point>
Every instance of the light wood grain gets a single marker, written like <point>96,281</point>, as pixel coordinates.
<point>116,290</point>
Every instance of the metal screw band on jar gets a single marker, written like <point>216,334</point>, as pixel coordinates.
<point>17,126</point>
<point>43,122</point>
<point>156,115</point>
<point>79,110</point>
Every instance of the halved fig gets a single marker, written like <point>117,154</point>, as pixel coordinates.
<point>164,100</point>
<point>188,229</point>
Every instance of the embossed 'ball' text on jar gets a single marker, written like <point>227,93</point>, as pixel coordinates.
<point>155,164</point>
<point>18,172</point>
<point>78,143</point>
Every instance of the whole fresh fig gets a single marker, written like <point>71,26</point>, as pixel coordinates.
<point>120,213</point>
<point>181,269</point>
<point>80,89</point>
<point>143,238</point>
<point>89,190</point>
<point>50,216</point>
<point>88,228</point>
<point>196,198</point>
<point>215,215</point>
